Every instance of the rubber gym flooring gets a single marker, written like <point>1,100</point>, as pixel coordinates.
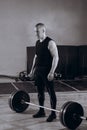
<point>65,90</point>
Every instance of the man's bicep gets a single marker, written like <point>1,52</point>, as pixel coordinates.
<point>53,48</point>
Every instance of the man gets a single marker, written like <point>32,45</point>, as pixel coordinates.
<point>44,65</point>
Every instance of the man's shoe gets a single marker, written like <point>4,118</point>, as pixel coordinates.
<point>51,117</point>
<point>39,114</point>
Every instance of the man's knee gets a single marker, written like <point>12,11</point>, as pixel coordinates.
<point>41,97</point>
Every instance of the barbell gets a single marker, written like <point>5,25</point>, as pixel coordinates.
<point>71,113</point>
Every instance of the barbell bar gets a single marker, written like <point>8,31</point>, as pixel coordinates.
<point>58,111</point>
<point>71,113</point>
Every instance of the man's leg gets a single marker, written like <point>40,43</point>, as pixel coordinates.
<point>53,100</point>
<point>41,97</point>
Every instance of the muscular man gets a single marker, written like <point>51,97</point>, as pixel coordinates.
<point>44,65</point>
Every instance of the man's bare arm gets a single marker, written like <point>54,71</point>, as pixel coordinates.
<point>33,66</point>
<point>54,53</point>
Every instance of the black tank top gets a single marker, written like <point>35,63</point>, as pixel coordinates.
<point>44,58</point>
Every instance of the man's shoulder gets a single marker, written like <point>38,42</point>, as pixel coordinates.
<point>51,44</point>
<point>37,42</point>
<point>49,38</point>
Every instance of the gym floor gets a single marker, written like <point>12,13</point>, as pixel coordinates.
<point>65,90</point>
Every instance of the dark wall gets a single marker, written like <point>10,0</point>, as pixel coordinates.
<point>68,61</point>
<point>83,60</point>
<point>72,60</point>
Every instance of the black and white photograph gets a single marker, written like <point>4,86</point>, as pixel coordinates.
<point>43,64</point>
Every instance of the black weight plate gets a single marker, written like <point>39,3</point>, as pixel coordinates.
<point>71,115</point>
<point>9,102</point>
<point>61,112</point>
<point>15,101</point>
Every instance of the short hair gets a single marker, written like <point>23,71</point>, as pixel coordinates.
<point>40,25</point>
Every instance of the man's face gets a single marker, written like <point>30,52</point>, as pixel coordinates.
<point>39,32</point>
